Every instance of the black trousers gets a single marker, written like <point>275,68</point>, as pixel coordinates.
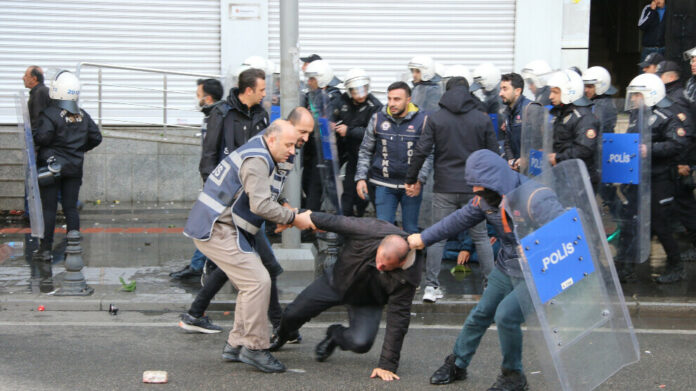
<point>311,185</point>
<point>686,207</point>
<point>319,296</point>
<point>661,211</point>
<point>70,190</point>
<point>217,279</point>
<point>350,198</point>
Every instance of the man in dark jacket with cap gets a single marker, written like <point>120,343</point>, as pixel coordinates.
<point>649,65</point>
<point>454,132</point>
<point>491,178</point>
<point>374,269</point>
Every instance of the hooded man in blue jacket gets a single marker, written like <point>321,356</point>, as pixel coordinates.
<point>491,178</point>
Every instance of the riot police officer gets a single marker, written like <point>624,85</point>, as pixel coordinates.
<point>426,90</point>
<point>321,100</point>
<point>486,87</point>
<point>669,139</point>
<point>598,88</point>
<point>63,134</point>
<point>535,74</point>
<point>575,127</point>
<point>355,108</point>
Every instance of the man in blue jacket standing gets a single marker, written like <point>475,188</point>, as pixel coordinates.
<point>491,178</point>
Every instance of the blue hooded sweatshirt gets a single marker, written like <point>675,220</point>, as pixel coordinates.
<point>485,168</point>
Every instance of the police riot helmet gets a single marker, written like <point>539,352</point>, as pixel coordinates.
<point>457,71</point>
<point>425,65</point>
<point>321,71</point>
<point>356,77</point>
<point>570,84</point>
<point>65,90</point>
<point>257,62</point>
<point>487,76</point>
<point>599,77</point>
<point>536,73</point>
<point>647,89</point>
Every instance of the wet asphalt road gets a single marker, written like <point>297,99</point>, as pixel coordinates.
<point>95,351</point>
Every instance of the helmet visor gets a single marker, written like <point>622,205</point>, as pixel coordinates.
<point>635,97</point>
<point>359,92</point>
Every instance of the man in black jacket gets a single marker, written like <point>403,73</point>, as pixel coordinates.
<point>239,120</point>
<point>454,132</point>
<point>38,93</point>
<point>652,22</point>
<point>374,269</point>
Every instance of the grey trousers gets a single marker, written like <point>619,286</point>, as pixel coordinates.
<point>443,205</point>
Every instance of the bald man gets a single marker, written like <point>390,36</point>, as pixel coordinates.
<point>38,93</point>
<point>238,196</point>
<point>374,269</point>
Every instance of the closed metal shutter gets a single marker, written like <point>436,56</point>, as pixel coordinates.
<point>381,36</point>
<point>178,35</point>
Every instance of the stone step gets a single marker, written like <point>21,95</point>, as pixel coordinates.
<point>11,188</point>
<point>11,156</point>
<point>11,171</point>
<point>10,203</point>
<point>11,140</point>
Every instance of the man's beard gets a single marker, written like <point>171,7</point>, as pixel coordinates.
<point>491,197</point>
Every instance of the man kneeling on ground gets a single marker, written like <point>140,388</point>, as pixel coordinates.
<point>374,268</point>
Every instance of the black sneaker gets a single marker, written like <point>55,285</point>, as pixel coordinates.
<point>277,342</point>
<point>231,353</point>
<point>510,380</point>
<point>448,372</point>
<point>198,325</point>
<point>186,272</point>
<point>261,359</point>
<point>295,337</point>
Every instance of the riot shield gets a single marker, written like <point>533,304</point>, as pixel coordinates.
<point>574,307</point>
<point>536,140</point>
<point>327,152</point>
<point>624,192</point>
<point>31,181</point>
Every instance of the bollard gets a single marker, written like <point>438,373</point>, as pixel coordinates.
<point>329,244</point>
<point>74,283</point>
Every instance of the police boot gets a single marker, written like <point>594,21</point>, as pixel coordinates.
<point>626,272</point>
<point>510,380</point>
<point>672,274</point>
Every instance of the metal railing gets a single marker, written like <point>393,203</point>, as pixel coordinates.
<point>164,90</point>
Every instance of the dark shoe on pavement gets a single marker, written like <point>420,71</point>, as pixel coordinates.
<point>510,380</point>
<point>186,272</point>
<point>626,272</point>
<point>448,372</point>
<point>203,324</point>
<point>326,347</point>
<point>670,276</point>
<point>277,342</point>
<point>262,359</point>
<point>295,337</point>
<point>231,353</point>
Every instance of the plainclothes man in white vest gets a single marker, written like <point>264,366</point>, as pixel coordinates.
<point>239,195</point>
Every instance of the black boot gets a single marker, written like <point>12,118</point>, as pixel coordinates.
<point>186,272</point>
<point>326,347</point>
<point>626,272</point>
<point>510,380</point>
<point>671,275</point>
<point>448,372</point>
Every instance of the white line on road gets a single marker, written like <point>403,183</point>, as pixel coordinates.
<point>314,325</point>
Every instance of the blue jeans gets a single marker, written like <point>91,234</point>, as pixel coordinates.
<point>387,200</point>
<point>499,302</point>
<point>197,260</point>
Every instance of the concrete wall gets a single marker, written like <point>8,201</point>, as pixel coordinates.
<point>137,170</point>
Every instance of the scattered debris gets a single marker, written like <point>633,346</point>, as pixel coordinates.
<point>155,377</point>
<point>127,287</point>
<point>41,308</point>
<point>113,310</point>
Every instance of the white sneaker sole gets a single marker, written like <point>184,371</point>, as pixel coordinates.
<point>196,329</point>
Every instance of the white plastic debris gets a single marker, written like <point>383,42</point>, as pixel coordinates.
<point>155,377</point>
